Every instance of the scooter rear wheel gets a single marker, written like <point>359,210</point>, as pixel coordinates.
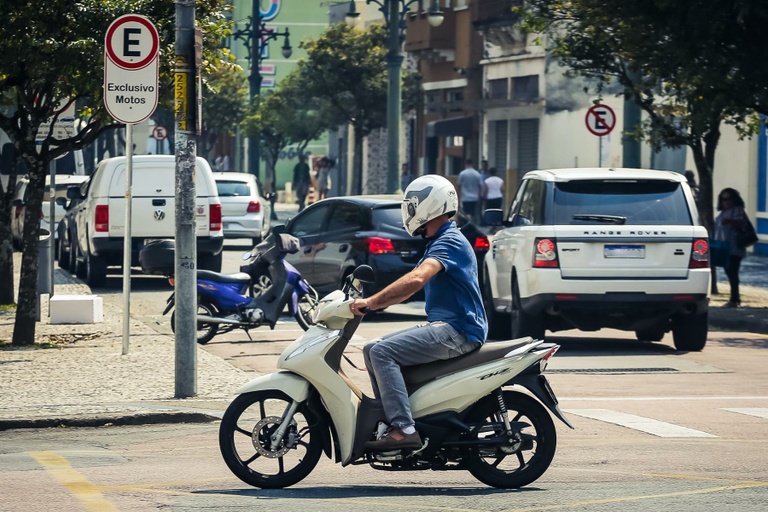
<point>511,464</point>
<point>245,440</point>
<point>205,331</point>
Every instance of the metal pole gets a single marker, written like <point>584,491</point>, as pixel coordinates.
<point>127,237</point>
<point>52,228</point>
<point>186,243</point>
<point>254,83</point>
<point>394,64</point>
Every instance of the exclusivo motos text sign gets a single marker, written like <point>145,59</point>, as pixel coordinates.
<point>131,60</point>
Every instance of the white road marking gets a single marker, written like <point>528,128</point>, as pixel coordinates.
<point>648,425</point>
<point>758,413</point>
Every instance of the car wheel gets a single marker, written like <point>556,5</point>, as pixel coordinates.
<point>73,250</point>
<point>499,324</point>
<point>62,256</point>
<point>95,271</point>
<point>525,324</point>
<point>689,332</point>
<point>652,334</point>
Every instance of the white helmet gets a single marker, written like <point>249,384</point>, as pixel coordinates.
<point>426,198</point>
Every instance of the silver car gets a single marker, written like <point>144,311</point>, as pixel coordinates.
<point>244,212</point>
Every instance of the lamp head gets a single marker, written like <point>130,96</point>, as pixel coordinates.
<point>435,16</point>
<point>286,50</point>
<point>352,13</point>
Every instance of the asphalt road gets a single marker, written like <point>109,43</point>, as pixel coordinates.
<point>655,429</point>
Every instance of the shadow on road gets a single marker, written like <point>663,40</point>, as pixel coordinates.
<point>366,491</point>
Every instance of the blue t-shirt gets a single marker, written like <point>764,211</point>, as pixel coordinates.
<point>453,295</point>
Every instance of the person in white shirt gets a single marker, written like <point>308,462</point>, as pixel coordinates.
<point>493,190</point>
<point>470,189</point>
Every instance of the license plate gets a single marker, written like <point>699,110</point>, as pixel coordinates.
<point>549,389</point>
<point>624,251</point>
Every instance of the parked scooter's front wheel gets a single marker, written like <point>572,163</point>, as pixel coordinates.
<point>205,331</point>
<point>246,445</point>
<point>524,459</point>
<point>308,304</point>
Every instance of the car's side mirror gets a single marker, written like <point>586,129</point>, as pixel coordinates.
<point>493,217</point>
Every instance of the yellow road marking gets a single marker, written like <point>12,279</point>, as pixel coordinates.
<point>73,481</point>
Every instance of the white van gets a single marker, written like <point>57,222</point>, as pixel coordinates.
<point>99,227</point>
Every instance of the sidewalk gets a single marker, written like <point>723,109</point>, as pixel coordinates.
<point>76,375</point>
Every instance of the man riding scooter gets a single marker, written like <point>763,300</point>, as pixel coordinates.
<point>456,322</point>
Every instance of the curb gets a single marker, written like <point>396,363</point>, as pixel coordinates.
<point>746,322</point>
<point>113,419</point>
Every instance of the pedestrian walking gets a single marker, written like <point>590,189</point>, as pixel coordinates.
<point>470,184</point>
<point>301,180</point>
<point>728,224</point>
<point>493,190</point>
<point>324,177</point>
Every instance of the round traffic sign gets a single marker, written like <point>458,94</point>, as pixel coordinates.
<point>159,133</point>
<point>600,120</point>
<point>132,42</point>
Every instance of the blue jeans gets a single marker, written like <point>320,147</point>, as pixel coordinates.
<point>416,345</point>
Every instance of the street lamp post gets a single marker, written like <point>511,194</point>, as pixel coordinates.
<point>394,12</point>
<point>255,37</point>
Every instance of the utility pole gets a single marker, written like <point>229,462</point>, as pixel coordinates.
<point>185,108</point>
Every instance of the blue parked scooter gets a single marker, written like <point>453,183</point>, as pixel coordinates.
<point>255,296</point>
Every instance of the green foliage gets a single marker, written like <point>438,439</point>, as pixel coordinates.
<point>225,99</point>
<point>689,64</point>
<point>347,67</point>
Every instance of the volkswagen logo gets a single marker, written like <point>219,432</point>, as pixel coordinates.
<point>159,214</point>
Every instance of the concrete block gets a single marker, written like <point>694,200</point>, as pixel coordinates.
<point>76,309</point>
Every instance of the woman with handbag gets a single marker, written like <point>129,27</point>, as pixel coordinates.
<point>728,224</point>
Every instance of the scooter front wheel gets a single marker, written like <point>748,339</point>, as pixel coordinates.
<point>205,331</point>
<point>245,440</point>
<point>307,307</point>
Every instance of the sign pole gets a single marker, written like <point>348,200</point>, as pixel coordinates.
<point>127,237</point>
<point>131,59</point>
<point>51,226</point>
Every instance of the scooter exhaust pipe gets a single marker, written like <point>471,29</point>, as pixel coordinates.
<point>218,320</point>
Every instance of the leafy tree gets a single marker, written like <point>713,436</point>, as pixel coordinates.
<point>306,117</point>
<point>51,55</point>
<point>225,102</point>
<point>267,123</point>
<point>347,67</point>
<point>690,65</point>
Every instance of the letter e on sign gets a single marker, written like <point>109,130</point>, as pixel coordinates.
<point>131,60</point>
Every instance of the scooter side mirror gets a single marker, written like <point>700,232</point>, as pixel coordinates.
<point>364,273</point>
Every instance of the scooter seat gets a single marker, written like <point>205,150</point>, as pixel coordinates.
<point>420,374</point>
<point>216,277</point>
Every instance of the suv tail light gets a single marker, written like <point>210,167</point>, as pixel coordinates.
<point>215,218</point>
<point>545,253</point>
<point>254,207</point>
<point>699,254</point>
<point>377,245</point>
<point>101,222</point>
<point>481,243</point>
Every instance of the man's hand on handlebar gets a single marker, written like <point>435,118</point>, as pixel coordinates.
<point>359,307</point>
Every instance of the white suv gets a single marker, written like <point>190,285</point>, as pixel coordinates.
<point>595,248</point>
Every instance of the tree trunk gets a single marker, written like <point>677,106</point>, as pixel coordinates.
<point>704,157</point>
<point>26,311</point>
<point>6,243</point>
<point>357,164</point>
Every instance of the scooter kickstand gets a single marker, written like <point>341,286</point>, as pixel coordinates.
<point>248,334</point>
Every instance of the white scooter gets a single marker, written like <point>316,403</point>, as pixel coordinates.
<point>483,412</point>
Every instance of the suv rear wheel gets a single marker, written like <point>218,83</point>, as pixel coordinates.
<point>689,332</point>
<point>525,324</point>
